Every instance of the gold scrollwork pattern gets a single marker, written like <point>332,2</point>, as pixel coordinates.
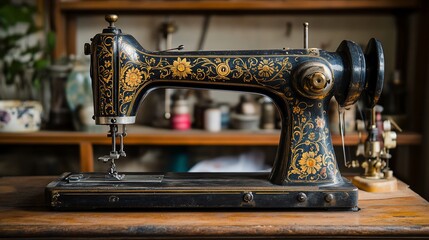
<point>55,202</point>
<point>105,76</point>
<point>137,68</point>
<point>312,159</point>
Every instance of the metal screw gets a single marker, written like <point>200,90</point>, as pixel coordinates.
<point>248,197</point>
<point>301,197</point>
<point>329,197</point>
<point>113,120</point>
<point>318,81</point>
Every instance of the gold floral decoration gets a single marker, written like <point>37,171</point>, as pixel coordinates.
<point>128,98</point>
<point>296,110</point>
<point>107,64</point>
<point>310,162</point>
<point>311,156</point>
<point>266,68</point>
<point>181,68</point>
<point>133,77</point>
<point>320,122</point>
<point>312,136</point>
<point>106,95</point>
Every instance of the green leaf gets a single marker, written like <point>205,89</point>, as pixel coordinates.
<point>5,2</point>
<point>11,14</point>
<point>41,64</point>
<point>50,40</point>
<point>10,77</point>
<point>37,83</point>
<point>16,66</point>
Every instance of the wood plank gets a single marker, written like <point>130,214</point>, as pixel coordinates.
<point>71,28</point>
<point>139,135</point>
<point>25,215</point>
<point>236,5</point>
<point>86,157</point>
<point>58,25</point>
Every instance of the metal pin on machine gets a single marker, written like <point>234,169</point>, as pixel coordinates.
<point>305,35</point>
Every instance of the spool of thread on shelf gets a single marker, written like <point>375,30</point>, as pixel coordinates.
<point>212,119</point>
<point>181,119</point>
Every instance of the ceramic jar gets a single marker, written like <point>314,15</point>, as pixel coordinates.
<point>20,116</point>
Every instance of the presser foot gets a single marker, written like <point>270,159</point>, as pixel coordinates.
<point>114,154</point>
<point>112,172</point>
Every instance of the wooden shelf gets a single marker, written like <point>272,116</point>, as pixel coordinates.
<point>139,135</point>
<point>234,5</point>
<point>65,12</point>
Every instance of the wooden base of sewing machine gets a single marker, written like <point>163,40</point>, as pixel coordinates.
<point>74,191</point>
<point>376,185</point>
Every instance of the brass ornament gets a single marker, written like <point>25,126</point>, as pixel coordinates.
<point>223,69</point>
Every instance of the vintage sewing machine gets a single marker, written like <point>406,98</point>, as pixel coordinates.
<point>300,82</point>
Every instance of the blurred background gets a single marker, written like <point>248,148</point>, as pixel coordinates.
<point>46,98</point>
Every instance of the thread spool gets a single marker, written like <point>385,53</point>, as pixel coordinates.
<point>212,119</point>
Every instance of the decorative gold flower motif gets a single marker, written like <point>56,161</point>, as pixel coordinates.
<point>107,64</point>
<point>181,68</point>
<point>133,77</point>
<point>320,122</point>
<point>266,68</point>
<point>310,162</point>
<point>223,69</point>
<point>127,98</point>
<point>312,136</point>
<point>296,110</point>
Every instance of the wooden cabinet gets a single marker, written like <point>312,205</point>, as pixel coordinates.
<point>65,12</point>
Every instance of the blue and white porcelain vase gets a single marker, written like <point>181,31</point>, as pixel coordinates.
<point>20,116</point>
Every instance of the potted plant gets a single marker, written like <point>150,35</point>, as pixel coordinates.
<point>24,58</point>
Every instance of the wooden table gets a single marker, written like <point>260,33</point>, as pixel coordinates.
<point>23,214</point>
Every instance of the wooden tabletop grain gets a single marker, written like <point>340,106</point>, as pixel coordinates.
<point>23,214</point>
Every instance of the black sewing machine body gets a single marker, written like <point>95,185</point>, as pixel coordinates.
<point>300,82</point>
